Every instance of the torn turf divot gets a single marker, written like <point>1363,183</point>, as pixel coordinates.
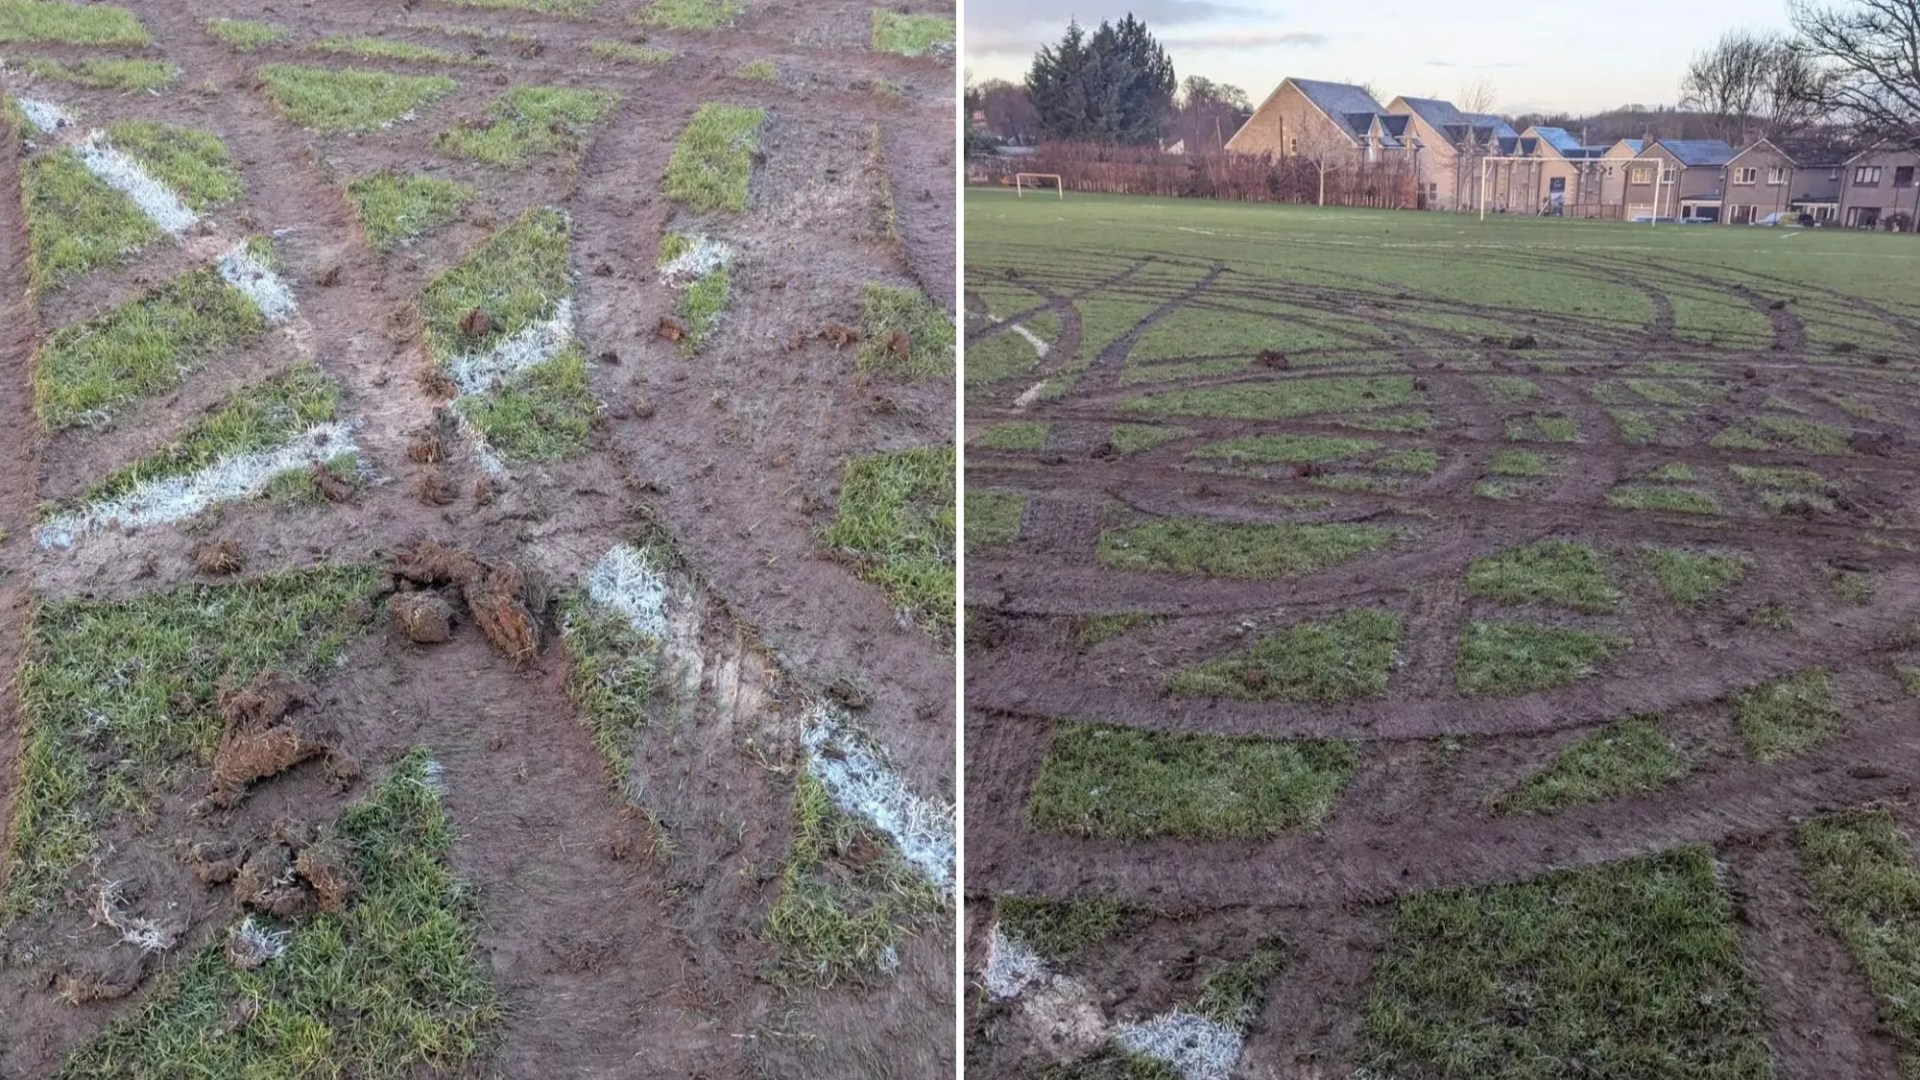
<point>862,784</point>
<point>257,282</point>
<point>177,498</point>
<point>1198,1048</point>
<point>255,944</point>
<point>130,178</point>
<point>44,115</point>
<point>535,343</point>
<point>626,583</point>
<point>1011,966</point>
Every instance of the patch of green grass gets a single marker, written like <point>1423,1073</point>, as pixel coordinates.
<point>397,207</point>
<point>570,8</point>
<point>1060,930</point>
<point>910,35</point>
<point>50,22</point>
<point>1628,970</point>
<point>622,52</point>
<point>1021,435</point>
<point>86,372</point>
<point>1505,659</point>
<point>1772,615</point>
<point>253,419</point>
<point>1782,478</point>
<point>1768,432</point>
<point>1344,657</point>
<point>1687,578</point>
<point>930,336</point>
<point>1091,630</point>
<point>394,986</point>
<point>1131,439</point>
<point>1669,499</point>
<point>1557,572</point>
<point>1542,427</point>
<point>349,99</point>
<point>299,487</point>
<point>1512,388</point>
<point>896,522</point>
<point>1503,490</point>
<point>1788,716</point>
<point>101,73</point>
<point>528,123</point>
<point>1283,398</point>
<point>367,47</point>
<point>711,167</point>
<point>1423,460</point>
<point>761,70</point>
<point>1627,757</point>
<point>1525,463</point>
<point>517,277</point>
<point>194,163</point>
<point>1220,549</point>
<point>1128,784</point>
<point>1235,994</point>
<point>1677,472</point>
<point>701,302</point>
<point>1851,586</point>
<point>546,412</point>
<point>1269,449</point>
<point>121,691</point>
<point>993,517</point>
<point>691,14</point>
<point>841,914</point>
<point>1909,679</point>
<point>1860,872</point>
<point>75,222</point>
<point>247,35</point>
<point>614,677</point>
<point>1406,423</point>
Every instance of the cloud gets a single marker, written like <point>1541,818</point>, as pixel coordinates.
<point>1246,39</point>
<point>1474,67</point>
<point>989,14</point>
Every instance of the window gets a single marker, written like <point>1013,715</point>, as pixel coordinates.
<point>1867,176</point>
<point>1746,174</point>
<point>1640,174</point>
<point>1903,176</point>
<point>1293,146</point>
<point>1666,174</point>
<point>1776,176</point>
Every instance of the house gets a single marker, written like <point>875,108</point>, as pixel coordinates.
<point>1678,178</point>
<point>1308,116</point>
<point>1816,189</point>
<point>1452,148</point>
<point>1571,176</point>
<point>1613,178</point>
<point>1760,182</point>
<point>1878,190</point>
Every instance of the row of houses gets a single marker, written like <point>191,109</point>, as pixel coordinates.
<point>1466,161</point>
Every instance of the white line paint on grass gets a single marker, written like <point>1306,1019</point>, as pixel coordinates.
<point>127,176</point>
<point>626,583</point>
<point>536,343</point>
<point>862,784</point>
<point>44,115</point>
<point>257,282</point>
<point>1011,965</point>
<point>1040,347</point>
<point>703,256</point>
<point>178,498</point>
<point>1197,1047</point>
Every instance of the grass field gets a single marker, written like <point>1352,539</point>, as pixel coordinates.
<point>1404,576</point>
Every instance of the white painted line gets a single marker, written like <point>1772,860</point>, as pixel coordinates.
<point>1031,395</point>
<point>1011,965</point>
<point>257,281</point>
<point>1033,339</point>
<point>627,584</point>
<point>127,176</point>
<point>1197,1047</point>
<point>703,256</point>
<point>178,498</point>
<point>536,343</point>
<point>44,115</point>
<point>862,784</point>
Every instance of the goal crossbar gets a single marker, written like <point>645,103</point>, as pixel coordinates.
<point>1021,178</point>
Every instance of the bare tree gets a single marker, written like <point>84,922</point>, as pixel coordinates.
<point>1327,151</point>
<point>1870,51</point>
<point>1752,85</point>
<point>1478,97</point>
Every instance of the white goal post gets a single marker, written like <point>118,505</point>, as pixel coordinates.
<point>1021,178</point>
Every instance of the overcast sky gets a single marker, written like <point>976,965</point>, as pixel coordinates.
<point>1580,57</point>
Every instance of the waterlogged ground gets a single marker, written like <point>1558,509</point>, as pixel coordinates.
<point>472,539</point>
<point>1406,647</point>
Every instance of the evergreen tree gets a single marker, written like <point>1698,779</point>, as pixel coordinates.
<point>1116,86</point>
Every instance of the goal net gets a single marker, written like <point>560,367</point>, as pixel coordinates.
<point>1039,181</point>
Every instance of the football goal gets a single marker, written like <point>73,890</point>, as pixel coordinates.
<point>1022,181</point>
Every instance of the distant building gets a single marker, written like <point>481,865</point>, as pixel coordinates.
<point>1678,178</point>
<point>1879,191</point>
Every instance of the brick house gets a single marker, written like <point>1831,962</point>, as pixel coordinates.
<point>1305,115</point>
<point>1571,176</point>
<point>1613,176</point>
<point>1879,190</point>
<point>1683,179</point>
<point>1453,144</point>
<point>1760,182</point>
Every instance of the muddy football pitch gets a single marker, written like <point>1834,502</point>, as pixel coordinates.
<point>1406,646</point>
<point>474,596</point>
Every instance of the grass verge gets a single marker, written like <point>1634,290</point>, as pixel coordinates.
<point>1504,659</point>
<point>1668,499</point>
<point>102,72</point>
<point>1128,784</point>
<point>614,677</point>
<point>621,52</point>
<point>1219,549</point>
<point>1632,969</point>
<point>393,986</point>
<point>1344,657</point>
<point>350,100</point>
<point>896,523</point>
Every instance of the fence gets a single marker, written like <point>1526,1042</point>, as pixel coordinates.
<point>1124,170</point>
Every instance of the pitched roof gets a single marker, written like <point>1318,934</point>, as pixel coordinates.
<point>1558,138</point>
<point>1457,126</point>
<point>1697,152</point>
<point>1635,145</point>
<point>1337,99</point>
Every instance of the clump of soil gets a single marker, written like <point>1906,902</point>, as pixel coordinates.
<point>326,867</point>
<point>899,346</point>
<point>501,597</point>
<point>840,335</point>
<point>424,618</point>
<point>1273,358</point>
<point>427,448</point>
<point>670,328</point>
<point>108,976</point>
<point>475,323</point>
<point>215,862</point>
<point>433,488</point>
<point>333,487</point>
<point>224,557</point>
<point>263,739</point>
<point>267,883</point>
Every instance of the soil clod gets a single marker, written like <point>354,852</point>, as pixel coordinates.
<point>840,335</point>
<point>219,558</point>
<point>475,323</point>
<point>424,618</point>
<point>670,328</point>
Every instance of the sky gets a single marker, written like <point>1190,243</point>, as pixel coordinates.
<point>1553,57</point>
